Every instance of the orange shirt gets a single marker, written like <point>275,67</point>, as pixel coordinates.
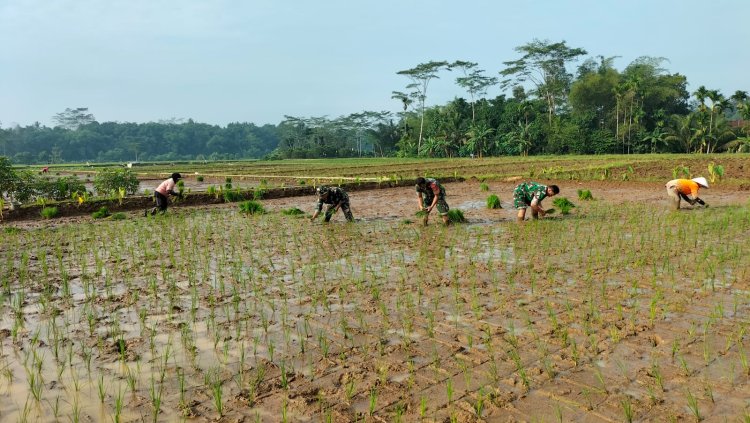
<point>684,186</point>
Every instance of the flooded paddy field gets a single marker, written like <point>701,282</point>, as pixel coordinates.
<point>622,310</point>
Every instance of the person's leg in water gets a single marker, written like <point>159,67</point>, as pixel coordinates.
<point>347,212</point>
<point>329,213</point>
<point>674,197</point>
<point>442,207</point>
<point>161,203</point>
<point>521,214</point>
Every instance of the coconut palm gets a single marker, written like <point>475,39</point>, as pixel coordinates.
<point>682,132</point>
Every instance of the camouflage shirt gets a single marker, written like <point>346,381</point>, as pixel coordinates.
<point>336,195</point>
<point>525,193</point>
<point>430,188</point>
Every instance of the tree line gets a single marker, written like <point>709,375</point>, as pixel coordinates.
<point>559,101</point>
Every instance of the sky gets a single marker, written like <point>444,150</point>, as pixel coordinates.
<point>224,61</point>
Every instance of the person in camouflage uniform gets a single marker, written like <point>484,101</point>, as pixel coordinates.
<point>336,198</point>
<point>431,194</point>
<point>531,194</point>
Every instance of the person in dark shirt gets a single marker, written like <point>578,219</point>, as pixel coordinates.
<point>336,198</point>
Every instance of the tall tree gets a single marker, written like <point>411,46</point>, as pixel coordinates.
<point>74,118</point>
<point>421,75</point>
<point>474,81</point>
<point>544,65</point>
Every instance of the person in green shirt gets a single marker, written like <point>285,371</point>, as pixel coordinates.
<point>430,195</point>
<point>531,194</point>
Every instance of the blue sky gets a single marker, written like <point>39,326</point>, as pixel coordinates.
<point>225,61</point>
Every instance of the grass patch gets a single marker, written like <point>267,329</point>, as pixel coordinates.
<point>101,213</point>
<point>119,216</point>
<point>293,211</point>
<point>50,212</point>
<point>232,196</point>
<point>251,207</point>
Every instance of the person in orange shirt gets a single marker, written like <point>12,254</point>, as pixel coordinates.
<point>686,189</point>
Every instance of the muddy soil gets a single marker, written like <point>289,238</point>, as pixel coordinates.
<point>621,310</point>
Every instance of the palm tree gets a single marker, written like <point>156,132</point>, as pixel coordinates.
<point>682,132</point>
<point>701,94</point>
<point>739,145</point>
<point>476,137</point>
<point>522,138</point>
<point>656,138</point>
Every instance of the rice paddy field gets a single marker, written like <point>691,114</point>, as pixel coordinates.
<point>621,310</point>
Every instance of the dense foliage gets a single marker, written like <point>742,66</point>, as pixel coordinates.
<point>111,181</point>
<point>555,108</point>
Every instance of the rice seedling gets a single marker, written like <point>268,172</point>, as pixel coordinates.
<point>456,216</point>
<point>627,408</point>
<point>563,204</point>
<point>484,187</point>
<point>692,403</point>
<point>585,195</point>
<point>292,211</point>
<point>493,202</point>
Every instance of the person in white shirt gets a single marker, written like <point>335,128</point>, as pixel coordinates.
<point>162,191</point>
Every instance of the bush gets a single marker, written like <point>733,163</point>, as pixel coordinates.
<point>456,216</point>
<point>119,216</point>
<point>493,202</point>
<point>50,212</point>
<point>60,188</point>
<point>109,181</point>
<point>292,212</point>
<point>563,204</point>
<point>484,187</point>
<point>232,196</point>
<point>199,178</point>
<point>251,207</point>
<point>101,213</point>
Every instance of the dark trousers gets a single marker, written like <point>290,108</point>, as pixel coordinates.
<point>344,208</point>
<point>161,202</point>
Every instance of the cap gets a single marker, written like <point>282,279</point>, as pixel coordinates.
<point>701,181</point>
<point>322,190</point>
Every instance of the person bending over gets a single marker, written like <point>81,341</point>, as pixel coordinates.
<point>530,195</point>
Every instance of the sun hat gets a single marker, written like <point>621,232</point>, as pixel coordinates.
<point>701,181</point>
